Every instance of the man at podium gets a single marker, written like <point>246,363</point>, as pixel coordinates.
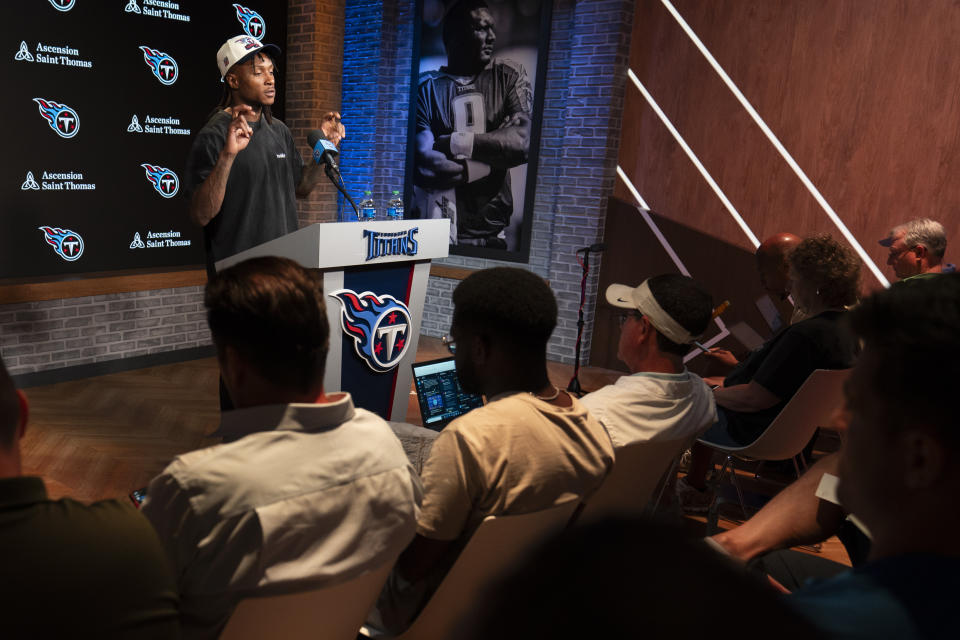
<point>244,171</point>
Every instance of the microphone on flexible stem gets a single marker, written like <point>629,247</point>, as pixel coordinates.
<point>325,153</point>
<point>574,386</point>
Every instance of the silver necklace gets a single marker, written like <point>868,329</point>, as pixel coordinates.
<point>556,394</point>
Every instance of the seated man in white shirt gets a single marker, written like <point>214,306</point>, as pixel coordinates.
<point>660,400</point>
<point>307,491</point>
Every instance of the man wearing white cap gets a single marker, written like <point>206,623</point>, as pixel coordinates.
<point>660,399</point>
<point>244,172</point>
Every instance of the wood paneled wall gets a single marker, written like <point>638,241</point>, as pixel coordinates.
<point>864,96</point>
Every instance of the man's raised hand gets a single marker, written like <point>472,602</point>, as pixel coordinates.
<point>238,131</point>
<point>333,129</point>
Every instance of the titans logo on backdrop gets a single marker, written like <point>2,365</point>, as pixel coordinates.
<point>379,326</point>
<point>253,23</point>
<point>68,244</point>
<point>163,66</point>
<point>60,117</point>
<point>164,181</point>
<point>63,5</point>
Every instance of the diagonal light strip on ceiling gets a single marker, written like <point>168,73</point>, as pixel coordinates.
<point>778,145</point>
<point>694,159</point>
<point>644,210</point>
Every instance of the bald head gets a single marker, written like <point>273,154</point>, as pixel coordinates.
<point>772,263</point>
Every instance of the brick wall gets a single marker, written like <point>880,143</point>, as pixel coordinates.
<point>313,77</point>
<point>584,125</point>
<point>52,334</point>
<point>579,138</point>
<point>376,75</point>
<point>55,334</point>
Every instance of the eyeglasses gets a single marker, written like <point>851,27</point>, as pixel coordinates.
<point>449,343</point>
<point>629,314</point>
<point>896,254</point>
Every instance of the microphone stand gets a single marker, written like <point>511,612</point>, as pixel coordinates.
<point>574,386</point>
<point>334,175</point>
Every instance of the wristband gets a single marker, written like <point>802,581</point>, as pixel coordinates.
<point>461,144</point>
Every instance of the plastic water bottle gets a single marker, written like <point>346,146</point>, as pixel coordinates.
<point>395,207</point>
<point>368,211</point>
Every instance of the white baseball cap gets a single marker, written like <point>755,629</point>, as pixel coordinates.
<point>642,299</point>
<point>238,49</point>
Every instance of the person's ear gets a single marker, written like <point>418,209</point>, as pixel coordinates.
<point>923,460</point>
<point>480,348</point>
<point>920,251</point>
<point>232,80</point>
<point>24,413</point>
<point>232,369</point>
<point>647,331</point>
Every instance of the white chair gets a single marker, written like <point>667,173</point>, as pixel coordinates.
<point>812,406</point>
<point>497,545</point>
<point>638,470</point>
<point>331,613</point>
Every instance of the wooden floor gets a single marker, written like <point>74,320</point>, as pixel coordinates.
<point>105,436</point>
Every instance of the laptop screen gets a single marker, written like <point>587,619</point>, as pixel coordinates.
<point>439,393</point>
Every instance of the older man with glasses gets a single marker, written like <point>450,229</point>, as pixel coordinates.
<point>916,249</point>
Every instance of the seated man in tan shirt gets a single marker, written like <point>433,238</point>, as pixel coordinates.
<point>531,447</point>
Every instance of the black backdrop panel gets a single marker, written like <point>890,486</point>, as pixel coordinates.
<point>86,183</point>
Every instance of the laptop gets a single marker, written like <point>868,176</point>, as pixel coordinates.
<point>439,393</point>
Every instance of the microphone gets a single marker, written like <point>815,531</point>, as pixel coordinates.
<point>594,248</point>
<point>324,151</point>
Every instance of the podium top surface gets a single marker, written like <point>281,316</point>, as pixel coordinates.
<point>334,245</point>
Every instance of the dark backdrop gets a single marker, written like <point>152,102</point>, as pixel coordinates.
<point>106,96</point>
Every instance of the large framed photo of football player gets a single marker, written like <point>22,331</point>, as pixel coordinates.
<point>475,121</point>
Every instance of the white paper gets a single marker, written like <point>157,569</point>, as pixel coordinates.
<point>827,490</point>
<point>770,312</point>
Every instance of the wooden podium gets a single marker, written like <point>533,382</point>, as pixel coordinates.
<point>374,281</point>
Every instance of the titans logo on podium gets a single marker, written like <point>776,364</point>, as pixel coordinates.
<point>164,181</point>
<point>60,117</point>
<point>163,66</point>
<point>400,243</point>
<point>253,23</point>
<point>379,325</point>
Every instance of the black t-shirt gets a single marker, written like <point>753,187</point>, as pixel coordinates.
<point>260,199</point>
<point>784,362</point>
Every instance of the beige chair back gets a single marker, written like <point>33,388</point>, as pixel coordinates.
<point>332,613</point>
<point>498,544</point>
<point>812,406</point>
<point>638,469</point>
